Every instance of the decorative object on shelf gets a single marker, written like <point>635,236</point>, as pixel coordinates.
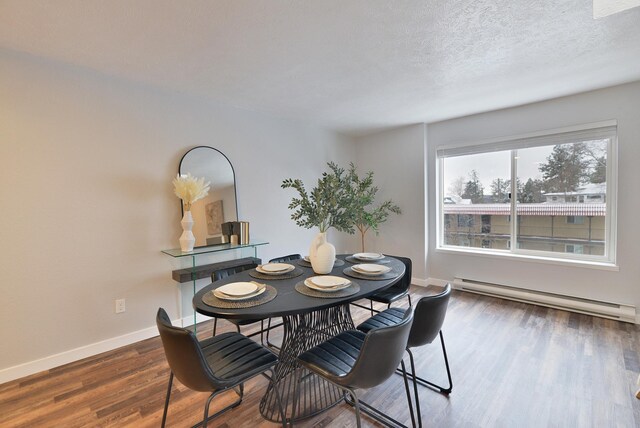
<point>328,205</point>
<point>189,189</point>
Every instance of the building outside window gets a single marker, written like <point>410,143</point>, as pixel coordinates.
<point>575,219</point>
<point>558,187</point>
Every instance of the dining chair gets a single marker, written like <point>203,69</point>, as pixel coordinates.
<point>429,316</point>
<point>357,360</point>
<point>282,259</point>
<point>224,273</point>
<point>396,291</point>
<point>218,364</point>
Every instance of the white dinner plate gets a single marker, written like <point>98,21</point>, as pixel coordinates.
<point>328,281</point>
<point>270,269</point>
<point>223,296</point>
<point>312,286</point>
<point>371,269</point>
<point>368,256</point>
<point>238,289</point>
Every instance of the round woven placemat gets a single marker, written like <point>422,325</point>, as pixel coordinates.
<point>353,274</point>
<point>345,292</point>
<point>355,261</point>
<point>211,300</point>
<point>303,262</point>
<point>259,275</point>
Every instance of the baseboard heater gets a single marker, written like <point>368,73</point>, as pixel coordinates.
<point>614,311</point>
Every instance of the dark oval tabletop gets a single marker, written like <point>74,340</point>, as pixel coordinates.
<point>289,301</point>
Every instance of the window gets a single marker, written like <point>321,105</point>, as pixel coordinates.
<point>465,221</point>
<point>557,186</point>
<point>486,225</point>
<point>574,248</point>
<point>575,219</point>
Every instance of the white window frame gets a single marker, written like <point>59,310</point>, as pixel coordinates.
<point>572,134</point>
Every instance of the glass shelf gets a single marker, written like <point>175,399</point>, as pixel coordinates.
<point>210,249</point>
<point>177,252</point>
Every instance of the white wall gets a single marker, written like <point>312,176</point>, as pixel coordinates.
<point>87,201</point>
<point>621,103</point>
<point>397,159</point>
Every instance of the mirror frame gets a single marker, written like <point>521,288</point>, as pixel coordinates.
<point>235,184</point>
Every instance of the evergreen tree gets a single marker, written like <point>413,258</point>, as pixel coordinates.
<point>599,174</point>
<point>500,190</point>
<point>566,168</point>
<point>473,189</point>
<point>531,192</point>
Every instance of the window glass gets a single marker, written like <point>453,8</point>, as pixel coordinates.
<point>472,185</point>
<point>559,195</point>
<point>554,210</point>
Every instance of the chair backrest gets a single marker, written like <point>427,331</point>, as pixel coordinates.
<point>381,352</point>
<point>184,355</point>
<point>429,317</point>
<point>286,258</point>
<point>405,281</point>
<point>223,273</point>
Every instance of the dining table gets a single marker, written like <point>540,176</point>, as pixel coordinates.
<point>309,318</point>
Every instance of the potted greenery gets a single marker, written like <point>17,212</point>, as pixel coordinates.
<point>329,204</point>
<point>366,216</point>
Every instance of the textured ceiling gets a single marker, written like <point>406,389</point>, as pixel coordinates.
<point>349,65</point>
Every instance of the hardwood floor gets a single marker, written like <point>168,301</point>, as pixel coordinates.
<point>513,365</point>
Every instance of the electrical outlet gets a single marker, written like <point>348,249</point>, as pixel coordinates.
<point>120,307</point>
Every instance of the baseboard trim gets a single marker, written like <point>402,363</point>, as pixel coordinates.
<point>438,282</point>
<point>21,370</point>
<point>419,281</point>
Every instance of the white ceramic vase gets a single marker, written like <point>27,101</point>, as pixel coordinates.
<point>322,254</point>
<point>187,240</point>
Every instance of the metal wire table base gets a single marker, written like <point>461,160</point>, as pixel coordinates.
<point>303,332</point>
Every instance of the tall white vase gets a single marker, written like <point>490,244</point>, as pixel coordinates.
<point>322,254</point>
<point>187,240</point>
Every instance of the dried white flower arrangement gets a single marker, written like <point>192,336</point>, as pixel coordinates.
<point>190,189</point>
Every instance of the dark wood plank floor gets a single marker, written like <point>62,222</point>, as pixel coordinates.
<point>513,365</point>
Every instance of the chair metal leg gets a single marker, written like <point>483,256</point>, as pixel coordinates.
<point>415,389</point>
<point>215,326</point>
<point>166,401</point>
<point>269,344</point>
<point>208,418</point>
<point>356,404</point>
<point>406,390</point>
<point>409,297</point>
<point>371,411</point>
<point>371,303</point>
<point>428,384</point>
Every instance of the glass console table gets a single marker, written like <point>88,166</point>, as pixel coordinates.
<point>199,253</point>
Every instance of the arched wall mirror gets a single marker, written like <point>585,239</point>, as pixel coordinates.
<point>220,205</point>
